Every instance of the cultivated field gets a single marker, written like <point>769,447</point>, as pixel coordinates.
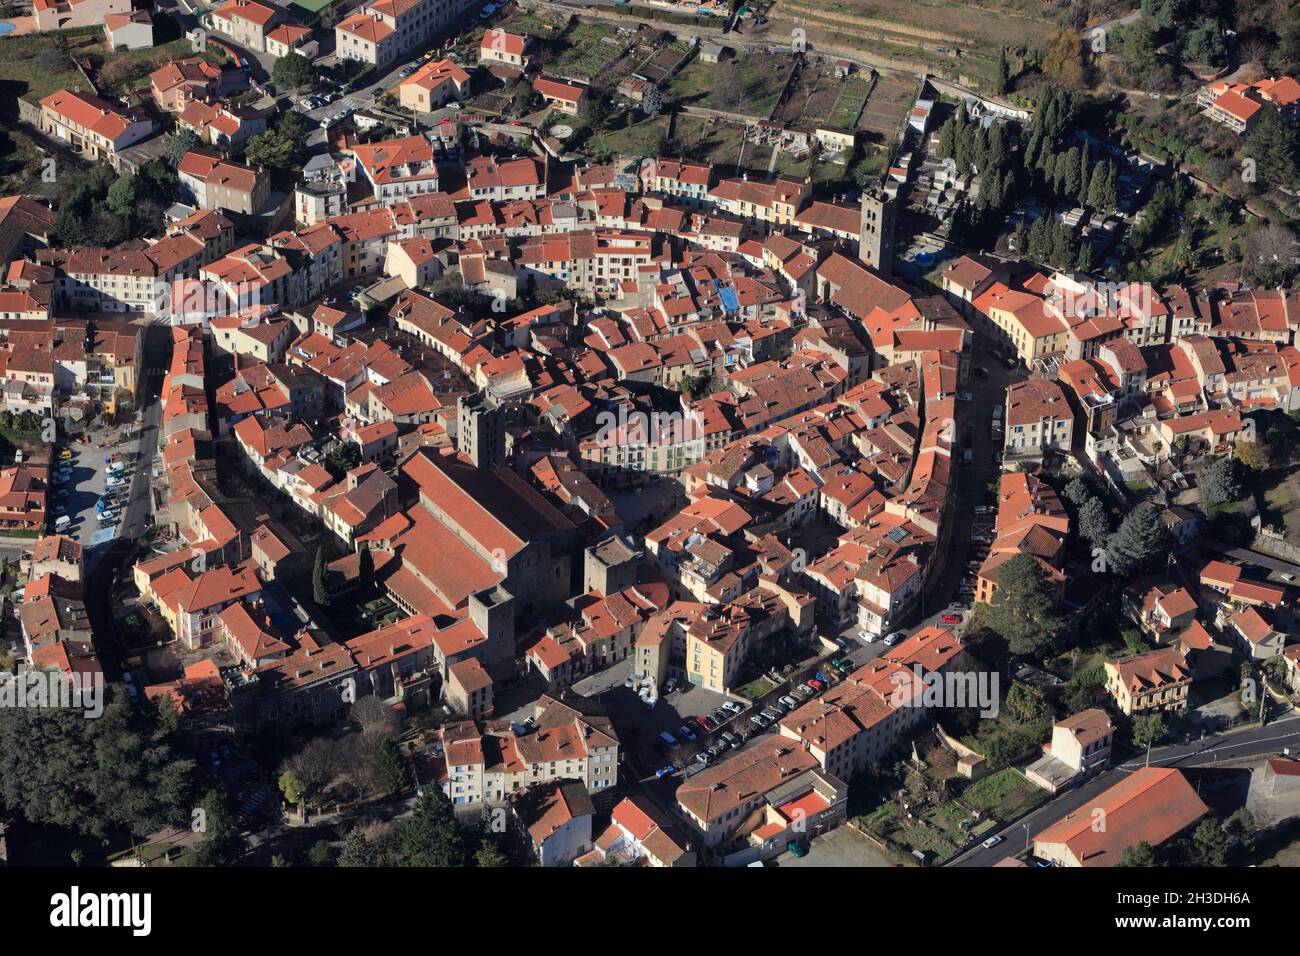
<point>587,51</point>
<point>891,98</point>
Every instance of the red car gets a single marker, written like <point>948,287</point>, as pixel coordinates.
<point>705,723</point>
<point>950,618</point>
<point>814,684</point>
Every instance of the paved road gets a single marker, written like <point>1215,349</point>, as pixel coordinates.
<point>1253,742</point>
<point>108,559</point>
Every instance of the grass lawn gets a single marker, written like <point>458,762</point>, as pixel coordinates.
<point>706,140</point>
<point>755,688</point>
<point>749,84</point>
<point>1004,795</point>
<point>32,66</point>
<point>640,138</point>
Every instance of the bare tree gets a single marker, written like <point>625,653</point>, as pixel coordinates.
<point>315,765</point>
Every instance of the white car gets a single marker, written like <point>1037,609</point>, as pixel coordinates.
<point>991,842</point>
<point>732,707</point>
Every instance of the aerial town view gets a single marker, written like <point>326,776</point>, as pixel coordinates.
<point>649,433</point>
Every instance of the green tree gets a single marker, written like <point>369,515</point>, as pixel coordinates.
<point>320,588</point>
<point>1094,523</point>
<point>1219,481</point>
<point>1148,729</point>
<point>358,851</point>
<point>1139,855</point>
<point>294,790</point>
<point>394,771</point>
<point>222,843</point>
<point>122,771</point>
<point>1209,845</point>
<point>1023,609</point>
<point>321,853</point>
<point>1141,543</point>
<point>489,854</point>
<point>652,100</point>
<point>1025,704</point>
<point>1003,82</point>
<point>431,836</point>
<point>181,142</point>
<point>365,567</point>
<point>342,458</point>
<point>293,72</point>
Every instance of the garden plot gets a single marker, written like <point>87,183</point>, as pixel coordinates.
<point>890,99</point>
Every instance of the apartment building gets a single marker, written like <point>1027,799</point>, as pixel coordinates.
<point>1153,681</point>
<point>247,22</point>
<point>1039,421</point>
<point>379,31</point>
<point>94,127</point>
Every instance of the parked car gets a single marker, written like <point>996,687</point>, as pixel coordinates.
<point>487,11</point>
<point>705,724</point>
<point>892,639</point>
<point>703,757</point>
<point>731,738</point>
<point>665,772</point>
<point>686,734</point>
<point>671,685</point>
<point>981,371</point>
<point>965,397</point>
<point>814,685</point>
<point>759,719</point>
<point>950,618</point>
<point>991,842</point>
<point>731,707</point>
<point>789,702</point>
